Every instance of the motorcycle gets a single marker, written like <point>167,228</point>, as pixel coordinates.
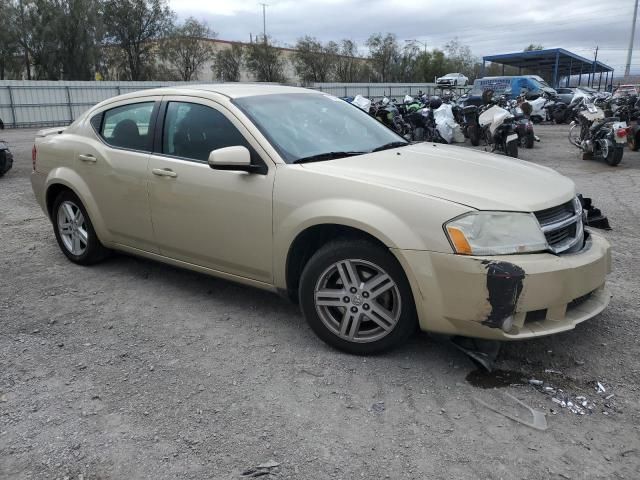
<point>387,112</point>
<point>498,129</point>
<point>595,134</point>
<point>6,158</point>
<point>546,108</point>
<point>524,126</point>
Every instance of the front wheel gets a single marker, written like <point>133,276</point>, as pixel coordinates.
<point>614,155</point>
<point>511,149</point>
<point>474,134</point>
<point>355,297</point>
<point>74,231</point>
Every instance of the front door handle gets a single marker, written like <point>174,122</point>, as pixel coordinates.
<point>164,172</point>
<point>87,157</point>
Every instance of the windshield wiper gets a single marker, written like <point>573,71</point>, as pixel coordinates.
<point>327,156</point>
<point>389,145</point>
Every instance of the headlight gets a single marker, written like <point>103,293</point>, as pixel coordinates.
<point>495,233</point>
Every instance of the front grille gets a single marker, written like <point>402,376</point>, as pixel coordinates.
<point>556,214</point>
<point>562,226</point>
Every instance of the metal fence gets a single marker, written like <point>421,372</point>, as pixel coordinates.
<point>51,103</point>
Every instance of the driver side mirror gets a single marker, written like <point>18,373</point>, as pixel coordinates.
<point>236,159</point>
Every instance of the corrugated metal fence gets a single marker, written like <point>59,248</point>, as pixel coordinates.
<point>52,103</point>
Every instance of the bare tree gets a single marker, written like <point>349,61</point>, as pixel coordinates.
<point>313,61</point>
<point>384,53</point>
<point>265,62</point>
<point>228,62</point>
<point>187,48</point>
<point>135,26</point>
<point>348,63</point>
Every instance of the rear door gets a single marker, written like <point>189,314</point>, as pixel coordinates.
<point>216,219</point>
<point>113,164</point>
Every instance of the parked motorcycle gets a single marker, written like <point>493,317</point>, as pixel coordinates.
<point>498,130</point>
<point>6,158</point>
<point>524,126</point>
<point>547,108</point>
<point>595,134</point>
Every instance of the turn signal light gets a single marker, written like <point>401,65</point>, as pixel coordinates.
<point>460,242</point>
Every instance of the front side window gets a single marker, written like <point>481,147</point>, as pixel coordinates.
<point>192,131</point>
<point>128,126</point>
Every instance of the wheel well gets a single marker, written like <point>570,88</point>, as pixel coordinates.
<point>309,242</point>
<point>52,193</point>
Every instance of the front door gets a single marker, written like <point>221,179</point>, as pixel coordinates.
<point>216,219</point>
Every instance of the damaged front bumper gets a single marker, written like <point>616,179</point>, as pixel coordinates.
<point>508,297</point>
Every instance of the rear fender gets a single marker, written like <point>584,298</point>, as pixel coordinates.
<point>70,179</point>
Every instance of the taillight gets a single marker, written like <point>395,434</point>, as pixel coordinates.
<point>621,132</point>
<point>34,157</point>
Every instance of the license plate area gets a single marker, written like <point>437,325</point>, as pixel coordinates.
<point>512,138</point>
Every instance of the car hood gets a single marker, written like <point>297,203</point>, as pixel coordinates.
<point>480,180</point>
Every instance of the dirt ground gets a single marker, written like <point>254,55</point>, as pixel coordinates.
<point>135,370</point>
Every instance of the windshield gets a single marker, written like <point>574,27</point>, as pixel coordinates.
<point>304,125</point>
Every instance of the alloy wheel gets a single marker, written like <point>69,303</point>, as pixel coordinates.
<point>72,228</point>
<point>357,300</point>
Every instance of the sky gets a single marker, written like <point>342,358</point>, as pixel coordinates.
<point>487,26</point>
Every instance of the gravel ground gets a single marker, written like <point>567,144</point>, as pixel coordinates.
<point>133,369</point>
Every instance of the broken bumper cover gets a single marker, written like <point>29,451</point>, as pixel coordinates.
<point>508,297</point>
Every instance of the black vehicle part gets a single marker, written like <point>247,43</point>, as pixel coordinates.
<point>511,149</point>
<point>614,155</point>
<point>6,159</point>
<point>504,283</point>
<point>529,140</point>
<point>473,131</point>
<point>595,218</point>
<point>435,103</point>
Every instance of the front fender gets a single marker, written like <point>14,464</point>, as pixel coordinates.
<point>375,220</point>
<point>74,182</point>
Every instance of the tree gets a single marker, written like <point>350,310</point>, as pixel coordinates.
<point>406,69</point>
<point>9,46</point>
<point>228,62</point>
<point>533,47</point>
<point>313,61</point>
<point>384,54</point>
<point>186,49</point>
<point>135,27</point>
<point>79,34</point>
<point>265,62</point>
<point>348,67</point>
<point>460,58</point>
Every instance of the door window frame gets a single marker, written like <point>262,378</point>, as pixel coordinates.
<point>161,117</point>
<point>97,125</point>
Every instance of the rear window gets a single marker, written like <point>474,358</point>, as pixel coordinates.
<point>128,126</point>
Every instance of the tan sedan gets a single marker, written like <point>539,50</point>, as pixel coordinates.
<point>300,193</point>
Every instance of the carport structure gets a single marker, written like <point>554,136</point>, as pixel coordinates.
<point>554,64</point>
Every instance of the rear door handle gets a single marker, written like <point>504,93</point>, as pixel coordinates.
<point>87,157</point>
<point>164,172</point>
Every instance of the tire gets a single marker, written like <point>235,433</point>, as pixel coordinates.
<point>392,307</point>
<point>614,156</point>
<point>474,135</point>
<point>455,83</point>
<point>633,140</point>
<point>511,149</point>
<point>529,140</point>
<point>68,205</point>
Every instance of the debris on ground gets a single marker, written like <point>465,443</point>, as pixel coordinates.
<point>266,468</point>
<point>539,421</point>
<point>578,404</point>
<point>482,352</point>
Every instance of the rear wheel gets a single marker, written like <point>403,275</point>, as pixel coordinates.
<point>355,297</point>
<point>511,149</point>
<point>614,155</point>
<point>74,231</point>
<point>529,140</point>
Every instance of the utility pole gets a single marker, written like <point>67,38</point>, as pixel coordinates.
<point>627,69</point>
<point>595,62</point>
<point>264,21</point>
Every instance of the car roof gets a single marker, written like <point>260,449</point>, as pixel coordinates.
<point>230,90</point>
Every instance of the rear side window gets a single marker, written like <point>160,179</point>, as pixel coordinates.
<point>128,126</point>
<point>192,131</point>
